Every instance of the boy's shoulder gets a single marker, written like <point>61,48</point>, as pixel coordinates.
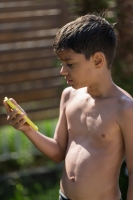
<point>125,102</point>
<point>70,91</point>
<point>67,93</point>
<point>124,92</point>
<point>125,115</point>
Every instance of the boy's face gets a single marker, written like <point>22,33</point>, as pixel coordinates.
<point>76,69</point>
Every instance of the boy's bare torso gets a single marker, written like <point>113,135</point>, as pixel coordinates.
<point>95,148</point>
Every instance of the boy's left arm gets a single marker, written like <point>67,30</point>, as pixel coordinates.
<point>126,125</point>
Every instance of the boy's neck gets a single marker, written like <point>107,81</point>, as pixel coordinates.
<point>103,88</point>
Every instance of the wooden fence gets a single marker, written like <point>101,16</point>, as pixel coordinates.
<point>28,71</point>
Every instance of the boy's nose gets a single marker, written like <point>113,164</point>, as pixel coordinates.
<point>64,71</point>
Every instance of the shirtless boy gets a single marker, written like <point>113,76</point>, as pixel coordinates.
<point>94,132</point>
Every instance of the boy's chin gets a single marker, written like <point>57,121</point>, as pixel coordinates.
<point>77,87</point>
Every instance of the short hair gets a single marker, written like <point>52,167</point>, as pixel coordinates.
<point>87,35</point>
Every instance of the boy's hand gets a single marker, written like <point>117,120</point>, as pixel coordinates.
<point>15,118</point>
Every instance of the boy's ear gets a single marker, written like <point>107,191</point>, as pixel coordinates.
<point>99,59</point>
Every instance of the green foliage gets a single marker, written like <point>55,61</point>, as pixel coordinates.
<point>47,126</point>
<point>82,7</point>
<point>41,186</point>
<point>17,140</point>
<point>121,78</point>
<point>123,182</point>
<point>39,193</point>
<point>23,154</point>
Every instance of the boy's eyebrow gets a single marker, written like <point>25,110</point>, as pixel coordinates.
<point>67,59</point>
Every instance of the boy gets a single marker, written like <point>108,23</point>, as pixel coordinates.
<point>95,128</point>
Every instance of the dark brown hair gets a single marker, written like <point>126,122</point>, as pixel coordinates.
<point>87,35</point>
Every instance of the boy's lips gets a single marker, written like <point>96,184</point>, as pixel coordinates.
<point>69,81</point>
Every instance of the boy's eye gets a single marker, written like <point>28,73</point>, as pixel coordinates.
<point>69,65</point>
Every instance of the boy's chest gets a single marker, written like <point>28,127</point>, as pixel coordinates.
<point>90,118</point>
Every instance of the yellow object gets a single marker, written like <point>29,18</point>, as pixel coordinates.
<point>13,106</point>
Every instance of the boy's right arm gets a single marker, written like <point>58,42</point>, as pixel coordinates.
<point>54,148</point>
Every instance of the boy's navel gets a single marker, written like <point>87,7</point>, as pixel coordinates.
<point>103,135</point>
<point>72,178</point>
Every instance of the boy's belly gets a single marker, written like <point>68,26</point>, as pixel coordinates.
<point>87,175</point>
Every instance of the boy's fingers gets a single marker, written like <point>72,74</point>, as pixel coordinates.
<point>19,124</point>
<point>12,114</point>
<point>8,109</point>
<point>13,101</point>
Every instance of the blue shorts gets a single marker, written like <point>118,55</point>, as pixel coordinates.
<point>63,197</point>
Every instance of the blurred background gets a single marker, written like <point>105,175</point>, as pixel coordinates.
<point>29,73</point>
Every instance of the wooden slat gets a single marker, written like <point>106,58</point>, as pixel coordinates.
<point>45,114</point>
<point>28,35</point>
<point>23,76</point>
<point>10,1</point>
<point>26,50</point>
<point>32,95</point>
<point>24,3</point>
<point>30,26</point>
<point>17,56</point>
<point>31,85</point>
<point>40,104</point>
<point>42,108</point>
<point>17,69</point>
<point>21,40</point>
<point>32,7</point>
<point>29,64</point>
<point>31,18</point>
<point>35,1</point>
<point>41,68</point>
<point>26,46</point>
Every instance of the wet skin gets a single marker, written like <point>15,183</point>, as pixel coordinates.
<point>95,148</point>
